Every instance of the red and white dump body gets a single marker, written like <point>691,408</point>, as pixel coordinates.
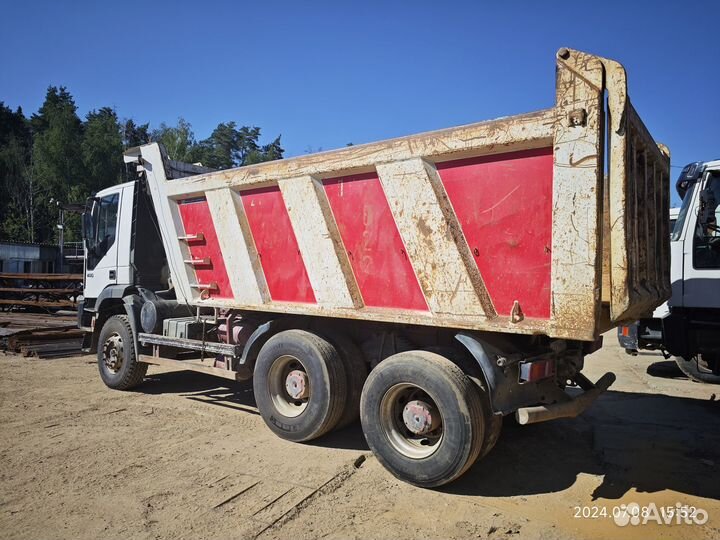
<point>511,225</point>
<point>428,284</point>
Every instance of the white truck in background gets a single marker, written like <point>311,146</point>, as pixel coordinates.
<point>687,326</point>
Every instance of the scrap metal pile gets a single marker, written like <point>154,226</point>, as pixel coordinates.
<point>40,336</point>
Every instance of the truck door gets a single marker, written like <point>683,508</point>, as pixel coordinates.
<point>101,261</point>
<point>702,247</point>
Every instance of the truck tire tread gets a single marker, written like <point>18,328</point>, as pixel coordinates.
<point>493,422</point>
<point>690,368</point>
<point>458,450</point>
<point>133,372</point>
<point>327,370</point>
<point>356,372</point>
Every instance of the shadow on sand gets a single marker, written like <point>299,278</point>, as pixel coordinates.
<point>649,442</point>
<point>238,396</point>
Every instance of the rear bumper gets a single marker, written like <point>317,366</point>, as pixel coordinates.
<point>628,336</point>
<point>566,409</point>
<point>645,334</point>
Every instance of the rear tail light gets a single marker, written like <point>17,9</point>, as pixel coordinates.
<point>531,371</point>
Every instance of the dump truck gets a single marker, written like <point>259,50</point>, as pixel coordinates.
<point>429,284</point>
<point>687,327</point>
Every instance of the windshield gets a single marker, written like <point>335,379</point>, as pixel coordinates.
<point>677,229</point>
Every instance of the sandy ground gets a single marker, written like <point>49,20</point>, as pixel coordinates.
<point>187,456</point>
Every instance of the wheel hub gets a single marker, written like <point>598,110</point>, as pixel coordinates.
<point>420,417</point>
<point>296,384</point>
<point>113,353</point>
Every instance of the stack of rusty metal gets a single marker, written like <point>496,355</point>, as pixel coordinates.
<point>44,291</point>
<point>40,336</point>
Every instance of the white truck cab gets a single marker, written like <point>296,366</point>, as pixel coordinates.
<point>108,254</point>
<point>695,243</point>
<point>687,326</point>
<point>124,255</point>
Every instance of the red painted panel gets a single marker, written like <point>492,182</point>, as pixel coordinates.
<point>382,269</point>
<point>504,204</point>
<point>196,218</point>
<point>275,241</point>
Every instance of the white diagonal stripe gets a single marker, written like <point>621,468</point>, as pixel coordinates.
<point>443,274</point>
<point>237,246</point>
<point>325,261</point>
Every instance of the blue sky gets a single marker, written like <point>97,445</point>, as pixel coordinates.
<point>323,74</point>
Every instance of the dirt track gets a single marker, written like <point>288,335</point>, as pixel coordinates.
<point>187,456</point>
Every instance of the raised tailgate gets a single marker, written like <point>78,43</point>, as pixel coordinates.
<point>637,256</point>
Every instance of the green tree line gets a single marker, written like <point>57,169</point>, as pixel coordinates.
<point>54,156</point>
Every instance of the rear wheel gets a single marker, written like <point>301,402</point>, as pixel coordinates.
<point>423,418</point>
<point>300,385</point>
<point>356,373</point>
<point>493,428</point>
<point>700,368</point>
<point>116,356</point>
<point>493,422</point>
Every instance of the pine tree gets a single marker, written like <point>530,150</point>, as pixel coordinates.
<point>57,162</point>
<point>135,135</point>
<point>102,148</point>
<point>15,151</point>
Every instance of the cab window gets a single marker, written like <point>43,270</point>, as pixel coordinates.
<point>706,240</point>
<point>104,222</point>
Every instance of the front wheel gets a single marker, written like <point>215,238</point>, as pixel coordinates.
<point>116,356</point>
<point>423,418</point>
<point>700,368</point>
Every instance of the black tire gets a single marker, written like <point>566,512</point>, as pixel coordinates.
<point>356,372</point>
<point>298,350</point>
<point>116,356</point>
<point>493,422</point>
<point>696,371</point>
<point>438,459</point>
<point>493,428</point>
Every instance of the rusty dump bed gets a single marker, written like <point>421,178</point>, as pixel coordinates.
<point>508,225</point>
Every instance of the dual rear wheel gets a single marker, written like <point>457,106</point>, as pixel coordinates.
<point>423,417</point>
<point>300,383</point>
